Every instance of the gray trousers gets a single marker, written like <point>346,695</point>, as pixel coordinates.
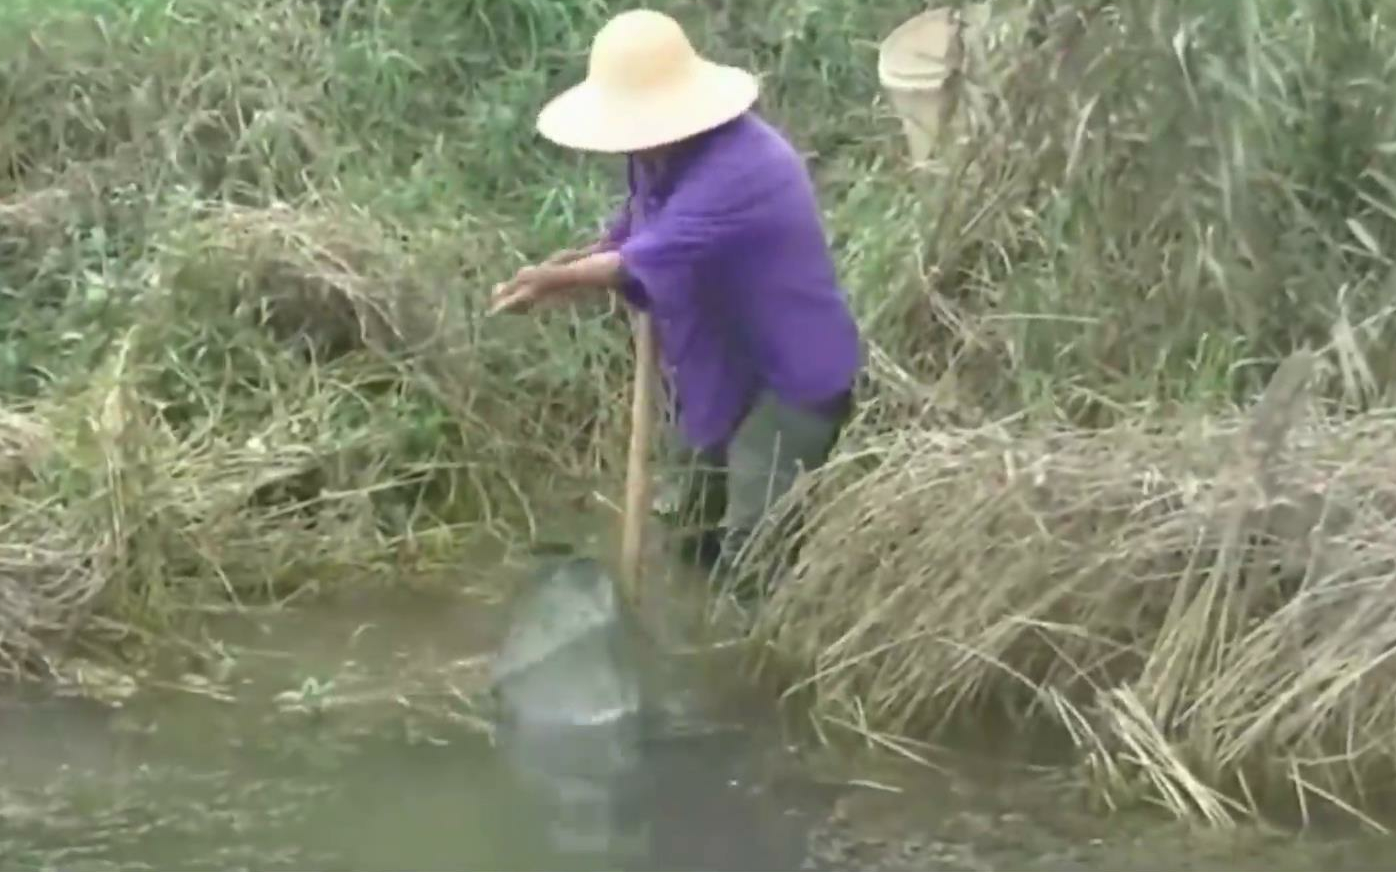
<point>724,495</point>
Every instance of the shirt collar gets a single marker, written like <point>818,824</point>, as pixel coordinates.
<point>649,182</point>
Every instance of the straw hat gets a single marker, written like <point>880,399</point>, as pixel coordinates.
<point>646,86</point>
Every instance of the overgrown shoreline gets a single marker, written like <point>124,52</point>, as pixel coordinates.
<point>243,255</point>
<point>1203,610</point>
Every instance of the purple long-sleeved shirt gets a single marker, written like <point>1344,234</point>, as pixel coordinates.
<point>726,249</point>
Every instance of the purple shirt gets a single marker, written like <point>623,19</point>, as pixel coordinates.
<point>727,251</point>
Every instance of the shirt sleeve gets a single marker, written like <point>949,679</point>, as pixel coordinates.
<point>662,259</point>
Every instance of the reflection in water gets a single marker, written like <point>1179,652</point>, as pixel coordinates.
<point>584,785</point>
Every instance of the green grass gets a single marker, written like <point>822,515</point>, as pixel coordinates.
<point>244,248</point>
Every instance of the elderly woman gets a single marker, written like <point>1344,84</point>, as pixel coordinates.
<point>721,241</point>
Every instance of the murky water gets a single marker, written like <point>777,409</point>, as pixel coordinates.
<point>342,735</point>
<point>352,742</point>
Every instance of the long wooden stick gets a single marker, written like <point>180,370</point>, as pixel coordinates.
<point>637,473</point>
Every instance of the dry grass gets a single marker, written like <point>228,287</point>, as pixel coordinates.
<point>1208,609</point>
<point>120,516</point>
<point>324,278</point>
<point>281,396</point>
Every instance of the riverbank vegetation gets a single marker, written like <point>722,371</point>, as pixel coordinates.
<point>242,348</point>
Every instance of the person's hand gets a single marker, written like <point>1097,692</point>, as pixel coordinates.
<point>556,284</point>
<point>524,291</point>
<point>520,293</point>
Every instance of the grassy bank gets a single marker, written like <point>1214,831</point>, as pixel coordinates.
<point>1190,579</point>
<point>243,254</point>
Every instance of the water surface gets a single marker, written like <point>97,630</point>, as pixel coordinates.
<point>344,734</point>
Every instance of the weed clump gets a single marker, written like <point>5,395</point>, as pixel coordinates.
<point>1204,608</point>
<point>1138,215</point>
<point>240,309</point>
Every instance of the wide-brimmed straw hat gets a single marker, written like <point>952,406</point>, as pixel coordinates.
<point>646,86</point>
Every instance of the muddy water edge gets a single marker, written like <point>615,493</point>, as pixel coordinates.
<point>347,733</point>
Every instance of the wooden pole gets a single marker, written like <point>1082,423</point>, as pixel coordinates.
<point>637,473</point>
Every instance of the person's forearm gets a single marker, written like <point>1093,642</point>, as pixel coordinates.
<point>601,269</point>
<point>560,281</point>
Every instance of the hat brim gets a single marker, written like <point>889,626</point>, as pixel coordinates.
<point>587,117</point>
